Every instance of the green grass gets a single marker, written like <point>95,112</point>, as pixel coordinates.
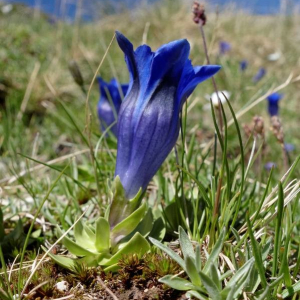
<point>47,176</point>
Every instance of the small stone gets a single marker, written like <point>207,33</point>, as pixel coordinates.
<point>62,286</point>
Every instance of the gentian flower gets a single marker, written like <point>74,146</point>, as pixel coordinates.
<point>148,123</point>
<point>224,47</point>
<point>269,165</point>
<point>243,65</point>
<point>259,75</point>
<point>273,103</point>
<point>289,147</point>
<point>110,102</point>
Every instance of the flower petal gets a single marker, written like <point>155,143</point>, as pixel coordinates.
<point>127,48</point>
<point>192,77</point>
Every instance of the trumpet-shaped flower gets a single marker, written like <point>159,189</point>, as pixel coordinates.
<point>259,75</point>
<point>273,103</point>
<point>243,65</point>
<point>110,102</point>
<point>224,47</point>
<point>269,165</point>
<point>148,124</point>
<point>289,147</point>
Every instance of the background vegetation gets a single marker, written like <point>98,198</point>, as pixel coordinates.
<point>45,127</point>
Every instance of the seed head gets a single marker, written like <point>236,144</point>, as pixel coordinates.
<point>258,126</point>
<point>199,13</point>
<point>277,129</point>
<point>76,73</point>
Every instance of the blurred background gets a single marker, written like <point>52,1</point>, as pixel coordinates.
<point>42,37</point>
<point>68,10</point>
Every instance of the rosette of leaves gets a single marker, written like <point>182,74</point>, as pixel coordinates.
<point>204,278</point>
<point>122,231</point>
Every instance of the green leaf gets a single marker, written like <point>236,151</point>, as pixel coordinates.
<point>236,234</point>
<point>82,237</point>
<point>266,249</point>
<point>210,286</point>
<point>230,294</point>
<point>235,289</point>
<point>196,295</point>
<point>102,235</point>
<point>168,251</point>
<point>118,204</point>
<point>158,230</point>
<point>73,247</point>
<point>65,262</point>
<point>17,232</point>
<point>257,255</point>
<point>146,225</point>
<point>215,252</point>
<point>241,272</point>
<point>121,207</point>
<point>291,291</point>
<point>277,241</point>
<point>284,269</point>
<point>215,276</point>
<point>137,245</point>
<point>191,270</point>
<point>198,258</point>
<point>185,244</point>
<point>113,268</point>
<point>90,233</point>
<point>176,283</point>
<point>94,260</point>
<point>201,187</point>
<point>265,294</point>
<point>126,226</point>
<point>35,234</point>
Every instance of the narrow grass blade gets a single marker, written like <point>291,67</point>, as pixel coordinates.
<point>291,291</point>
<point>277,244</point>
<point>257,255</point>
<point>215,251</point>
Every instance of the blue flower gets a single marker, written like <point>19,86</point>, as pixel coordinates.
<point>110,102</point>
<point>148,124</point>
<point>269,165</point>
<point>224,47</point>
<point>243,65</point>
<point>259,75</point>
<point>289,147</point>
<point>273,103</point>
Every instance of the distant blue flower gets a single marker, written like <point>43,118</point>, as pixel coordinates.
<point>148,124</point>
<point>259,75</point>
<point>243,65</point>
<point>273,103</point>
<point>289,147</point>
<point>110,102</point>
<point>269,165</point>
<point>224,47</point>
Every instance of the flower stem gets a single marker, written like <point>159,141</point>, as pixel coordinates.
<point>213,79</point>
<point>219,187</point>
